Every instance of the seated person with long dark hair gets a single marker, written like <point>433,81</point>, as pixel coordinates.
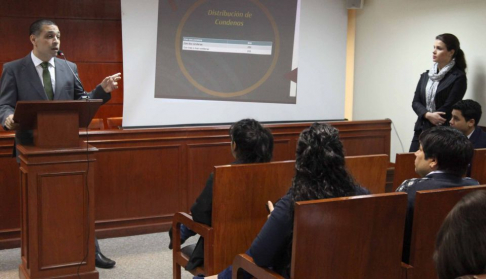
<point>250,143</point>
<point>441,161</point>
<point>320,173</point>
<point>460,248</point>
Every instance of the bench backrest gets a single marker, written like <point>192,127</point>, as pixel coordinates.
<point>114,122</point>
<point>478,165</point>
<point>369,171</point>
<point>431,208</point>
<point>351,237</point>
<point>404,168</point>
<point>240,193</point>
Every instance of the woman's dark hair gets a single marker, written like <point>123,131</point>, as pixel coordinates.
<point>451,148</point>
<point>460,248</point>
<point>254,143</point>
<point>320,170</point>
<point>452,43</point>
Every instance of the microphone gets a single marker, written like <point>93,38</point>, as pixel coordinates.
<point>86,96</point>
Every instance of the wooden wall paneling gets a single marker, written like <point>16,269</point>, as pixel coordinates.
<point>81,40</point>
<point>142,183</point>
<point>91,40</point>
<point>201,158</point>
<point>9,194</point>
<point>143,176</point>
<point>92,9</point>
<point>15,38</point>
<point>92,73</point>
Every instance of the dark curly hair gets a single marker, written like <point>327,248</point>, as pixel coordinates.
<point>254,143</point>
<point>320,170</point>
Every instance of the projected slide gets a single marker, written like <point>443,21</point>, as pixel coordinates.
<point>227,50</point>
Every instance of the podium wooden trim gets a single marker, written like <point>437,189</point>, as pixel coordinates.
<point>57,190</point>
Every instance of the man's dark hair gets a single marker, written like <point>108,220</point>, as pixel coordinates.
<point>254,143</point>
<point>469,109</point>
<point>452,150</point>
<point>461,242</point>
<point>36,26</point>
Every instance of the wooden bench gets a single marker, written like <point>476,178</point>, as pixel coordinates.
<point>114,122</point>
<point>369,171</point>
<point>96,124</point>
<point>404,168</point>
<point>240,193</point>
<point>351,237</point>
<point>478,165</point>
<point>431,208</point>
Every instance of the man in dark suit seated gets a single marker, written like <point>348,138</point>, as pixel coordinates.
<point>441,161</point>
<point>465,118</point>
<point>42,76</point>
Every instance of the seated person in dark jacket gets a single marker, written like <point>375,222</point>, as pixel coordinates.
<point>250,143</point>
<point>441,161</point>
<point>320,173</point>
<point>465,118</point>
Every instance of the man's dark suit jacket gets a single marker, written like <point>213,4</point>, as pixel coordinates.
<point>451,89</point>
<point>478,138</point>
<point>429,182</point>
<point>20,82</point>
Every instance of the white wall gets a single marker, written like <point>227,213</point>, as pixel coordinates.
<point>394,41</point>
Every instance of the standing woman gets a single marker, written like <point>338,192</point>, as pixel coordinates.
<point>440,87</point>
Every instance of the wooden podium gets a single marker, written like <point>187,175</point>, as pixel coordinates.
<point>57,190</point>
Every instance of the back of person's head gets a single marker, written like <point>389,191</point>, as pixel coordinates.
<point>452,150</point>
<point>254,143</point>
<point>320,170</point>
<point>460,247</point>
<point>470,110</point>
<point>452,43</point>
<point>36,27</point>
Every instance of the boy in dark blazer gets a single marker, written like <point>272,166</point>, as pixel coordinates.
<point>465,118</point>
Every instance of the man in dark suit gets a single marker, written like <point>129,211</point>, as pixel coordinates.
<point>441,161</point>
<point>42,76</point>
<point>465,118</point>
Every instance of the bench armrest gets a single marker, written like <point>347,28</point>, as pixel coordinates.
<point>246,263</point>
<point>186,219</point>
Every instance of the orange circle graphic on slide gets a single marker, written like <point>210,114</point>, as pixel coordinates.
<point>226,94</point>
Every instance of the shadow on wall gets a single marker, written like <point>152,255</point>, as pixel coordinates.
<point>479,85</point>
<point>479,89</point>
